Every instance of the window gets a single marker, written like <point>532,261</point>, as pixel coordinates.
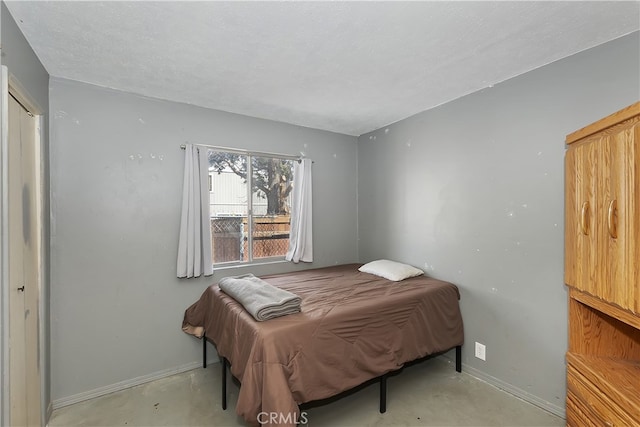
<point>249,206</point>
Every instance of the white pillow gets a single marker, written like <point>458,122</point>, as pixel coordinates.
<point>391,270</point>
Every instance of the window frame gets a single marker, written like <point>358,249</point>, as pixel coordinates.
<point>249,204</point>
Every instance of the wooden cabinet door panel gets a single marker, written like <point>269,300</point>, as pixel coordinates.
<point>571,220</point>
<point>619,221</point>
<point>632,221</point>
<point>605,289</point>
<point>580,225</point>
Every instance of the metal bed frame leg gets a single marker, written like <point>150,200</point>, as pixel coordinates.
<point>383,394</point>
<point>459,358</point>
<point>204,351</point>
<point>224,383</point>
<point>224,363</point>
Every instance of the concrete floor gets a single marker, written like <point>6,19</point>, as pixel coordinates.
<point>430,393</point>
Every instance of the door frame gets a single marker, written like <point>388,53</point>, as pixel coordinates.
<point>10,84</point>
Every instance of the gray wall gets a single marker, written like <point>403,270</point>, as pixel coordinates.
<point>116,182</point>
<point>25,66</point>
<point>473,192</point>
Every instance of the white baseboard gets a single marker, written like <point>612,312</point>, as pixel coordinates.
<point>560,411</point>
<point>122,385</point>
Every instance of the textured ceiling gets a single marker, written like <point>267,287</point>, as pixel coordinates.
<point>347,67</point>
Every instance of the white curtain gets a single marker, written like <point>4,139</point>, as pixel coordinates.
<point>194,246</point>
<point>300,238</point>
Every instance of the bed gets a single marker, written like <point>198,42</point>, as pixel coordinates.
<point>353,327</point>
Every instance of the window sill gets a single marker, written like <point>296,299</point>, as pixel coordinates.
<point>245,265</point>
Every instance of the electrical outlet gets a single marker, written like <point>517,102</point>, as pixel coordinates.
<point>481,351</point>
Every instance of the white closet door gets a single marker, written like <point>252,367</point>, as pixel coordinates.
<point>24,267</point>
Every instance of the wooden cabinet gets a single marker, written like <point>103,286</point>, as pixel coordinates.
<point>602,226</point>
<point>602,270</point>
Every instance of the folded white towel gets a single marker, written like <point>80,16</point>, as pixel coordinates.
<point>262,300</point>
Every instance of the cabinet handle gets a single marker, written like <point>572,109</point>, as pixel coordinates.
<point>611,218</point>
<point>584,218</point>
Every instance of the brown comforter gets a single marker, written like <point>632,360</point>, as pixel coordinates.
<point>353,327</point>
